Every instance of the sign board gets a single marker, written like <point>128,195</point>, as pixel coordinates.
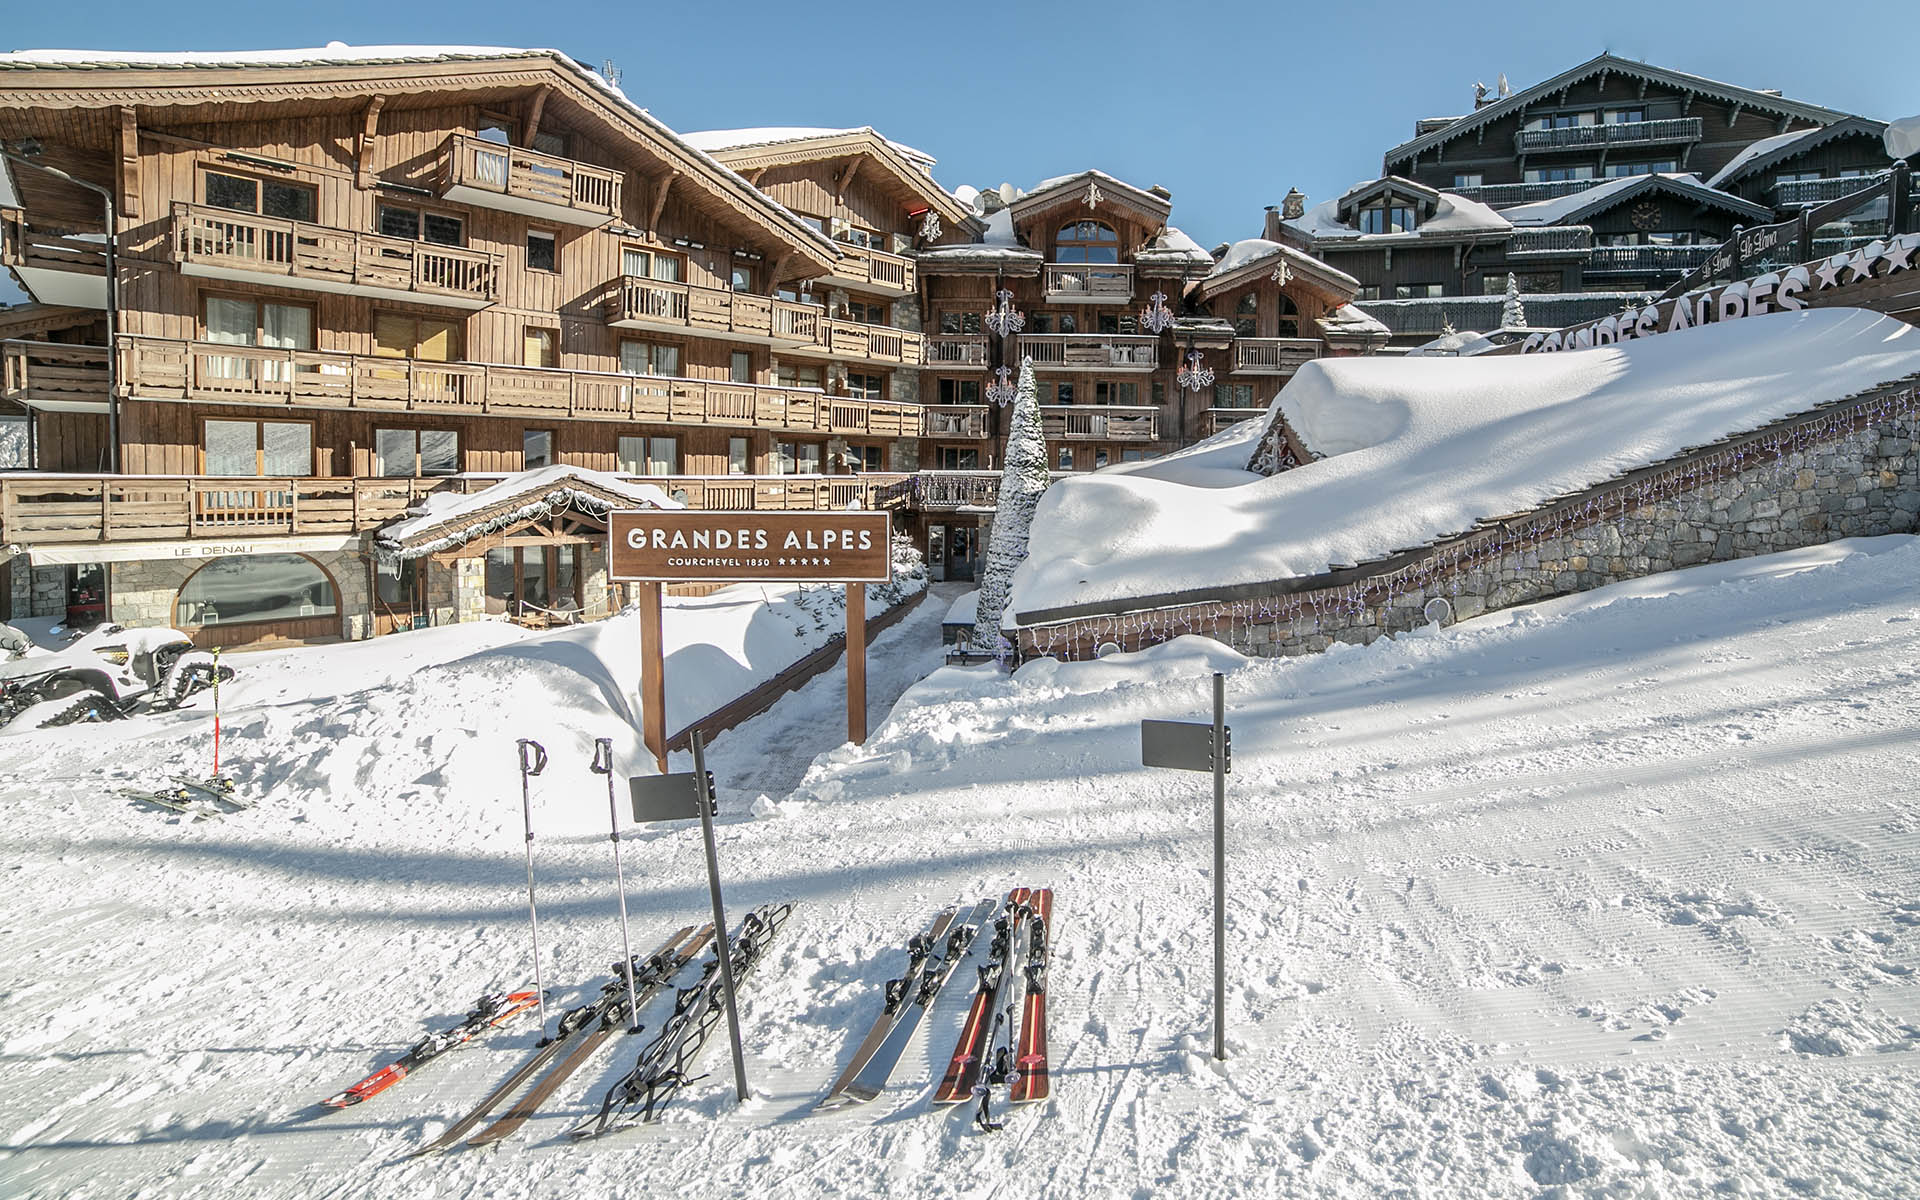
<point>674,797</point>
<point>1182,745</point>
<point>680,546</point>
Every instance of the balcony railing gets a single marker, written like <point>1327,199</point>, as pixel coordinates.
<point>1100,423</point>
<point>1502,195</point>
<point>876,343</point>
<point>1089,283</point>
<point>68,271</point>
<point>638,302</point>
<point>53,375</point>
<point>54,509</point>
<point>954,421</point>
<point>224,244</point>
<point>1273,356</point>
<point>1554,240</point>
<point>486,173</point>
<point>947,490</point>
<point>874,269</point>
<point>1819,191</point>
<point>1615,133</point>
<point>1217,419</point>
<point>1635,260</point>
<point>960,350</point>
<point>751,493</point>
<point>156,368</point>
<point>1092,351</point>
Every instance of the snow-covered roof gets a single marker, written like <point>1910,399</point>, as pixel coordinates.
<point>1562,210</point>
<point>443,520</point>
<point>714,141</point>
<point>963,609</point>
<point>1753,150</point>
<point>1116,189</point>
<point>1347,321</point>
<point>1251,252</point>
<point>1771,150</point>
<point>1453,216</point>
<point>997,247</point>
<point>1465,343</point>
<point>1416,450</point>
<point>1172,248</point>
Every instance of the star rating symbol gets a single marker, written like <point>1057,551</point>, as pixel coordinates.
<point>1898,256</point>
<point>1860,263</point>
<point>1828,272</point>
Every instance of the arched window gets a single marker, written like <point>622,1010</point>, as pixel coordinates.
<point>1246,316</point>
<point>1086,242</point>
<point>1289,316</point>
<point>256,587</point>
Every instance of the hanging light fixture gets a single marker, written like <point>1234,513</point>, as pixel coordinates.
<point>1194,375</point>
<point>1158,318</point>
<point>1001,391</point>
<point>1003,319</point>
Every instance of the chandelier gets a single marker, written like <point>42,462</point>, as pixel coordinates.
<point>1001,391</point>
<point>1003,319</point>
<point>1194,375</point>
<point>1158,318</point>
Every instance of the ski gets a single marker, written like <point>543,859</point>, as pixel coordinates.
<point>667,1061</point>
<point>1030,1080</point>
<point>491,1011</point>
<point>176,800</point>
<point>219,788</point>
<point>969,1054</point>
<point>872,1079</point>
<point>995,1068</point>
<point>656,974</point>
<point>611,994</point>
<point>900,994</point>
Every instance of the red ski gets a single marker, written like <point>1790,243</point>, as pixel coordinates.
<point>492,1011</point>
<point>1031,1082</point>
<point>963,1071</point>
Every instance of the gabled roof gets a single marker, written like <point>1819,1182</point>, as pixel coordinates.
<point>1255,258</point>
<point>1571,210</point>
<point>1768,151</point>
<point>1068,189</point>
<point>1612,64</point>
<point>1400,185</point>
<point>445,520</point>
<point>1452,218</point>
<point>748,150</point>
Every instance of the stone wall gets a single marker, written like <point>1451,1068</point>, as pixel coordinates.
<point>37,591</point>
<point>143,593</point>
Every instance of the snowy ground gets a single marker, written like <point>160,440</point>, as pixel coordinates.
<point>1619,894</point>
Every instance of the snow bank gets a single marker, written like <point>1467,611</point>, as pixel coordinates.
<point>1419,449</point>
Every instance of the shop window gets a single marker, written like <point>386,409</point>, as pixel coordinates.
<point>542,251</point>
<point>256,587</point>
<point>398,453</point>
<point>543,578</point>
<point>397,584</point>
<point>268,197</point>
<point>257,448</point>
<point>649,456</point>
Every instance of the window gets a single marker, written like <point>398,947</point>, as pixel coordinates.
<point>268,197</point>
<point>1622,116</point>
<point>958,458</point>
<point>1494,283</point>
<point>960,322</point>
<point>1117,323</point>
<point>1101,457</point>
<point>740,366</point>
<point>536,448</point>
<point>496,129</point>
<point>1415,291</point>
<point>257,448</point>
<point>550,143</point>
<point>1469,179</point>
<point>1134,455</point>
<point>1387,218</point>
<point>866,458</point>
<point>739,456</point>
<point>1065,461</point>
<point>650,358</point>
<point>1368,291</point>
<point>232,321</point>
<point>256,587</point>
<point>796,458</point>
<point>867,314</point>
<point>1558,174</point>
<point>1289,317</point>
<point>865,387</point>
<point>792,375</point>
<point>1116,393</point>
<point>651,264</point>
<point>1621,170</point>
<point>399,336</point>
<point>959,391</point>
<point>1086,242</point>
<point>741,277</point>
<point>539,347</point>
<point>419,225</point>
<point>1562,121</point>
<point>1233,395</point>
<point>649,456</point>
<point>398,453</point>
<point>542,251</point>
<point>1246,315</point>
<point>1062,393</point>
<point>854,235</point>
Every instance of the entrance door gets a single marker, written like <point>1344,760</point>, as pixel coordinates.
<point>937,551</point>
<point>537,583</point>
<point>962,551</point>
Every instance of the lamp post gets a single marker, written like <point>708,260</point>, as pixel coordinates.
<point>23,154</point>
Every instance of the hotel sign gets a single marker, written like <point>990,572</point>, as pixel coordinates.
<point>679,546</point>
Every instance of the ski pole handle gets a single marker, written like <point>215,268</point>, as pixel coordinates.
<point>603,756</point>
<point>538,762</point>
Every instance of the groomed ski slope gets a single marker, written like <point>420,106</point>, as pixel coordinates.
<point>1617,894</point>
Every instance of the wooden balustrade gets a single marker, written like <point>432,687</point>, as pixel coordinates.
<point>1273,356</point>
<point>22,247</point>
<point>56,509</point>
<point>53,373</point>
<point>954,421</point>
<point>1609,133</point>
<point>1216,419</point>
<point>1092,351</point>
<point>1636,259</point>
<point>943,490</point>
<point>876,269</point>
<point>1089,283</point>
<point>227,244</point>
<point>961,350</point>
<point>521,180</point>
<point>1100,422</point>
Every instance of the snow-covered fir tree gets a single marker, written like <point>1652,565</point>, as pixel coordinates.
<point>1512,314</point>
<point>1023,476</point>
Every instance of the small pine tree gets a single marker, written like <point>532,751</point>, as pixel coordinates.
<point>1023,476</point>
<point>1513,315</point>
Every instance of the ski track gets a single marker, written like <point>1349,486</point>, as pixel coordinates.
<point>1606,900</point>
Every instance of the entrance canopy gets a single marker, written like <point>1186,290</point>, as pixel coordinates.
<point>470,524</point>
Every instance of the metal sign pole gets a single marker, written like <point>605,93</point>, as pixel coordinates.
<point>1219,866</point>
<point>603,765</point>
<point>529,767</point>
<point>703,782</point>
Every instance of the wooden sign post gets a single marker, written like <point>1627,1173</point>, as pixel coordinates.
<point>652,547</point>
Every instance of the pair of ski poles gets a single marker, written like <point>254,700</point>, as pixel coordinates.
<point>533,760</point>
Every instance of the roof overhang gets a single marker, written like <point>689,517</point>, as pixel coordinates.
<point>1328,280</point>
<point>1071,189</point>
<point>1810,139</point>
<point>1699,193</point>
<point>903,178</point>
<point>513,505</point>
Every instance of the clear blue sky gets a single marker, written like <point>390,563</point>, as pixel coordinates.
<point>1227,104</point>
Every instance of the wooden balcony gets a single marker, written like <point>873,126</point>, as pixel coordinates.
<point>956,350</point>
<point>874,343</point>
<point>954,421</point>
<point>947,491</point>
<point>1646,260</point>
<point>1089,283</point>
<point>1273,356</point>
<point>759,493</point>
<point>1092,351</point>
<point>640,303</point>
<point>161,369</point>
<point>1216,419</point>
<point>873,270</point>
<point>66,271</point>
<point>53,377</point>
<point>1554,241</point>
<point>1819,191</point>
<point>475,171</point>
<point>67,509</point>
<point>1503,195</point>
<point>1615,133</point>
<point>1100,422</point>
<point>217,243</point>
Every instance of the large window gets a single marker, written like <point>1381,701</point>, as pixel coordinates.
<point>1117,323</point>
<point>268,197</point>
<point>399,453</point>
<point>649,456</point>
<point>796,458</point>
<point>232,321</point>
<point>419,224</point>
<point>650,358</point>
<point>651,264</point>
<point>1086,242</point>
<point>959,391</point>
<point>1625,170</point>
<point>256,587</point>
<point>1116,393</point>
<point>960,322</point>
<point>1388,218</point>
<point>257,448</point>
<point>396,335</point>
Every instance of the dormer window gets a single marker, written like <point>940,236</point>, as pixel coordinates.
<point>1086,242</point>
<point>1388,218</point>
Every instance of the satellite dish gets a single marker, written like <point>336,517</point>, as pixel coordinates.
<point>1437,612</point>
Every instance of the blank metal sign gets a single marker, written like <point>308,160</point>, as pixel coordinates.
<point>674,797</point>
<point>1182,745</point>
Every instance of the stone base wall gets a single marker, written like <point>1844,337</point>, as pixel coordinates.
<point>36,591</point>
<point>143,593</point>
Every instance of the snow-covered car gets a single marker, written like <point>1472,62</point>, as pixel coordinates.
<point>104,674</point>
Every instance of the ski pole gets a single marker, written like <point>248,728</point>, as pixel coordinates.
<point>216,715</point>
<point>531,765</point>
<point>603,765</point>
